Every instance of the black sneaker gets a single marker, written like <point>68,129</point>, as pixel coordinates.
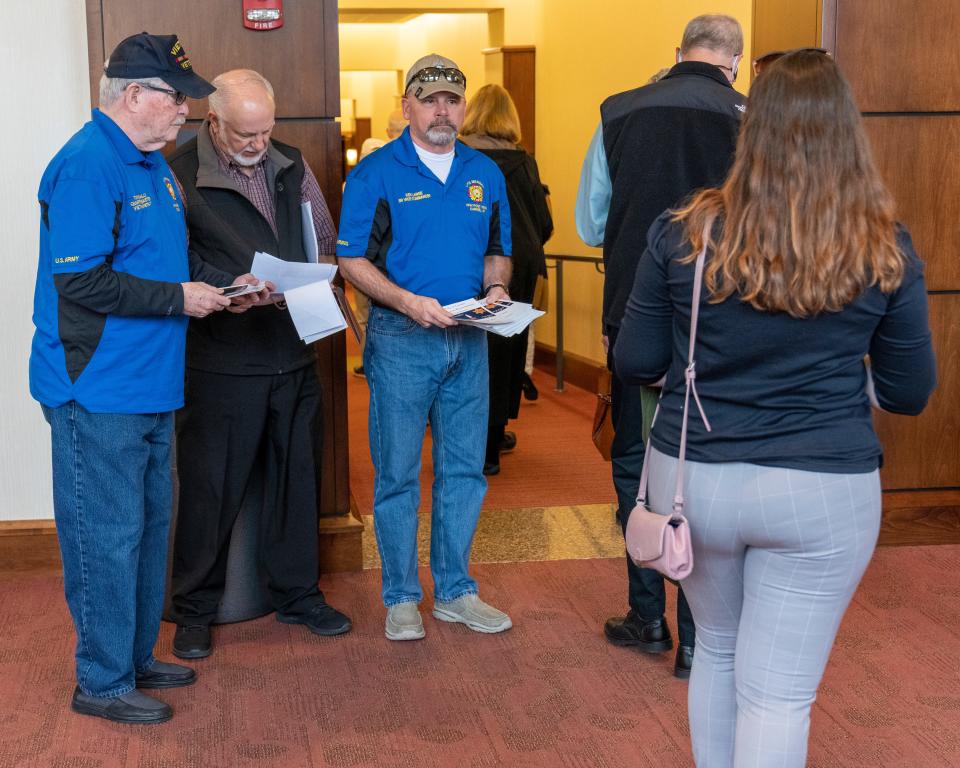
<point>192,641</point>
<point>509,442</point>
<point>358,371</point>
<point>321,619</point>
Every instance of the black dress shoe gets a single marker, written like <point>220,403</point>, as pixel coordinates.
<point>509,442</point>
<point>164,675</point>
<point>192,641</point>
<point>132,707</point>
<point>648,636</point>
<point>359,372</point>
<point>489,468</point>
<point>530,391</point>
<point>321,619</point>
<point>684,662</point>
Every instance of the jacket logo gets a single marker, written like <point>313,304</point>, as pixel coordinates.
<point>139,202</point>
<point>412,197</point>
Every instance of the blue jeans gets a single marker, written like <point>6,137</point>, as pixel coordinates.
<point>416,374</point>
<point>111,498</point>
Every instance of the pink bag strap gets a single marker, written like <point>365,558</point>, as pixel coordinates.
<point>690,378</point>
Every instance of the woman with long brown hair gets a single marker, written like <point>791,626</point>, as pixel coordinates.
<point>806,274</point>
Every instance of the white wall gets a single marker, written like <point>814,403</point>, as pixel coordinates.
<point>48,99</point>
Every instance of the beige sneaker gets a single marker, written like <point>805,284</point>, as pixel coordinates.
<point>404,622</point>
<point>472,611</point>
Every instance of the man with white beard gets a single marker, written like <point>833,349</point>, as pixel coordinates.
<point>252,394</point>
<point>426,223</point>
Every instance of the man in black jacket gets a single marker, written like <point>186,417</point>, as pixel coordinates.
<point>252,394</point>
<point>654,146</point>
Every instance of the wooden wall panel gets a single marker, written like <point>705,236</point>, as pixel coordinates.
<point>295,58</point>
<point>520,79</point>
<point>924,451</point>
<point>900,55</point>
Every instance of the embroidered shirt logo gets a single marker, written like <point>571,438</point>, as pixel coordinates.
<point>412,197</point>
<point>139,202</point>
<point>475,195</point>
<point>173,195</point>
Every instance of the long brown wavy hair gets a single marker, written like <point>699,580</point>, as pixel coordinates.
<point>808,223</point>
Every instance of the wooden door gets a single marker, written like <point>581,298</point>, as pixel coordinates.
<point>900,57</point>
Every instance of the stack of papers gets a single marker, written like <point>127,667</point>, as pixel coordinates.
<point>308,293</point>
<point>505,318</point>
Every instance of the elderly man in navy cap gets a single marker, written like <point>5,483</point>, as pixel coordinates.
<point>115,286</point>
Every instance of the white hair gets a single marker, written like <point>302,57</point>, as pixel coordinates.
<point>111,88</point>
<point>228,83</point>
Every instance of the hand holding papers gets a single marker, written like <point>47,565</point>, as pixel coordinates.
<point>232,291</point>
<point>505,318</point>
<point>315,310</point>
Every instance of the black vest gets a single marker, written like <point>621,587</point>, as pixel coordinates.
<point>226,230</point>
<point>662,141</point>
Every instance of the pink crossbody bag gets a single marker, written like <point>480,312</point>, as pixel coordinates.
<point>662,542</point>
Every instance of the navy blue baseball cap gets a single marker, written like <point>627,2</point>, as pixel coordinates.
<point>162,56</point>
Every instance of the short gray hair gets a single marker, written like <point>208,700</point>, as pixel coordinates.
<point>227,84</point>
<point>111,88</point>
<point>715,32</point>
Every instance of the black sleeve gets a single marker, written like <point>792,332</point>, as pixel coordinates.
<point>106,291</point>
<point>540,192</point>
<point>644,346</point>
<point>901,351</point>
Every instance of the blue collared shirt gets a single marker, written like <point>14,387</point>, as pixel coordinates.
<point>116,361</point>
<point>427,236</point>
<point>593,195</point>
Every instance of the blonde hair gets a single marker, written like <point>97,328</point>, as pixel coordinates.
<point>492,112</point>
<point>808,224</point>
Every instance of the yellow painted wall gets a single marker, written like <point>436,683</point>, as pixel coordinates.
<point>581,59</point>
<point>375,94</point>
<point>585,52</point>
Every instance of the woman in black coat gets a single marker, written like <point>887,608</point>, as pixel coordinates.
<point>493,127</point>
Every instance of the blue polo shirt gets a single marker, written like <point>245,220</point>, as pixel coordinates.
<point>426,236</point>
<point>126,358</point>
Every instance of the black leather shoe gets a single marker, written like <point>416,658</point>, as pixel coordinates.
<point>359,372</point>
<point>509,442</point>
<point>164,675</point>
<point>530,391</point>
<point>321,619</point>
<point>491,469</point>
<point>684,662</point>
<point>648,636</point>
<point>192,641</point>
<point>132,707</point>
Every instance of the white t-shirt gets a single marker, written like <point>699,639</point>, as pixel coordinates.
<point>437,163</point>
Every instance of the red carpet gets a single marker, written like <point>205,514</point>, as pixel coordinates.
<point>555,463</point>
<point>550,692</point>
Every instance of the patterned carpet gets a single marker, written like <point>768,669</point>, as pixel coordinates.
<point>550,692</point>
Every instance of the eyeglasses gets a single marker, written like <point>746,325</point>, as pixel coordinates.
<point>178,96</point>
<point>433,74</point>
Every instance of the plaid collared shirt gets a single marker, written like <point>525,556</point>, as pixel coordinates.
<point>256,190</point>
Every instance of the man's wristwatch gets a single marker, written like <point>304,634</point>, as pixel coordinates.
<point>486,291</point>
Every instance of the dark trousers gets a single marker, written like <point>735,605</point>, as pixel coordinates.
<point>228,425</point>
<point>646,592</point>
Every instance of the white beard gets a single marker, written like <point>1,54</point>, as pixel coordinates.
<point>441,135</point>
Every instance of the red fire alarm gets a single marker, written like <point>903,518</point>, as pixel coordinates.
<point>262,15</point>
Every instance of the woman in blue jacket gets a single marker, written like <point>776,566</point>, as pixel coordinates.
<point>806,274</point>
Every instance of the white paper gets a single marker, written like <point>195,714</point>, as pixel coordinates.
<point>286,275</point>
<point>309,232</point>
<point>505,318</point>
<point>314,311</point>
